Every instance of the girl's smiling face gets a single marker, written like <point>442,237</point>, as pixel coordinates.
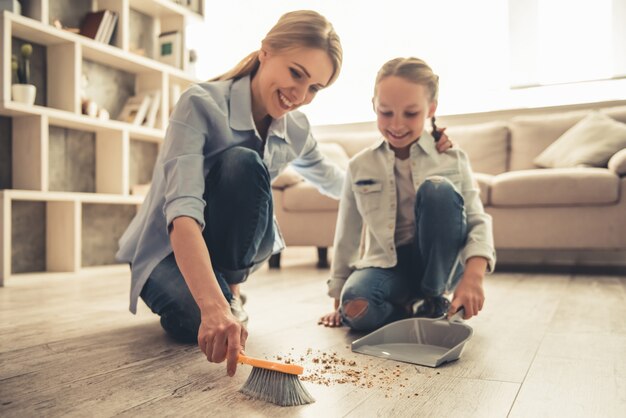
<point>402,108</point>
<point>289,79</point>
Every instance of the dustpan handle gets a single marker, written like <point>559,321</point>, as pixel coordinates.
<point>458,316</point>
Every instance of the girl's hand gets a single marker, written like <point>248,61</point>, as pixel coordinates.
<point>444,142</point>
<point>469,293</point>
<point>332,319</point>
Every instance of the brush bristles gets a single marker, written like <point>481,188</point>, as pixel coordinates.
<point>279,388</point>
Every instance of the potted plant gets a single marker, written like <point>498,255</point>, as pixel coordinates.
<point>23,91</point>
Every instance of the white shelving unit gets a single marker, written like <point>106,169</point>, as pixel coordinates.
<point>65,53</point>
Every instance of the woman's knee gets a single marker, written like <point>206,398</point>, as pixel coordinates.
<point>238,173</point>
<point>236,162</point>
<point>181,325</point>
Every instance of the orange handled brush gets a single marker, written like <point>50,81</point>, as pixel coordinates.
<point>275,382</point>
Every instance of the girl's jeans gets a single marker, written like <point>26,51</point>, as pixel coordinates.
<point>239,234</point>
<point>428,267</point>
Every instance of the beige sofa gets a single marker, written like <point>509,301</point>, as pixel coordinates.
<point>570,216</point>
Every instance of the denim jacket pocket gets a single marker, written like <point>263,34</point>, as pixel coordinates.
<point>367,195</point>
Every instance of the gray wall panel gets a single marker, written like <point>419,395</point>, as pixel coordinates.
<point>143,156</point>
<point>102,227</point>
<point>72,160</point>
<point>6,177</point>
<point>28,236</point>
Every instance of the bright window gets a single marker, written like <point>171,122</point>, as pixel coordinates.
<point>479,48</point>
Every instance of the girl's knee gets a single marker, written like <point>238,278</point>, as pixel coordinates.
<point>436,187</point>
<point>356,313</point>
<point>355,308</point>
<point>437,193</point>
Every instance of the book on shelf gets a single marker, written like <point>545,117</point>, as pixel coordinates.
<point>110,28</point>
<point>153,111</point>
<point>103,26</point>
<point>92,24</point>
<point>135,109</point>
<point>99,25</point>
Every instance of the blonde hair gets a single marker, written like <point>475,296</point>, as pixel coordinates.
<point>411,69</point>
<point>297,29</point>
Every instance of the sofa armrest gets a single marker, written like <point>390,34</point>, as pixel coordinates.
<point>617,163</point>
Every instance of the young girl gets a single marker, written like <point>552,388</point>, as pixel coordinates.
<point>207,221</point>
<point>411,224</point>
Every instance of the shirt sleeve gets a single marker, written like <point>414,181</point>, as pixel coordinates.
<point>183,158</point>
<point>319,170</point>
<point>479,223</point>
<point>347,239</point>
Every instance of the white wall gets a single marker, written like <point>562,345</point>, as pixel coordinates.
<point>466,43</point>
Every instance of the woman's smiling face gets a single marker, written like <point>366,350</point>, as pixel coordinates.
<point>289,79</point>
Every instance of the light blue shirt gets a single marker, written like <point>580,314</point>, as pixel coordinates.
<point>369,200</point>
<point>208,119</point>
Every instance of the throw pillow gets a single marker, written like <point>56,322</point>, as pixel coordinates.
<point>591,142</point>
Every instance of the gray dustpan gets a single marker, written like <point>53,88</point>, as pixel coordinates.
<point>424,341</point>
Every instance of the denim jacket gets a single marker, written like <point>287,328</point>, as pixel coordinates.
<point>208,119</point>
<point>369,198</point>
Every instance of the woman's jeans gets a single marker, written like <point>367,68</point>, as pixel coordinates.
<point>238,233</point>
<point>427,267</point>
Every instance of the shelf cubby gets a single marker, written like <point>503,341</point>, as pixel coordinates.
<point>68,180</point>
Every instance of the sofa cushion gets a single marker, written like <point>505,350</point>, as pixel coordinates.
<point>590,142</point>
<point>304,197</point>
<point>530,135</point>
<point>555,187</point>
<point>486,145</point>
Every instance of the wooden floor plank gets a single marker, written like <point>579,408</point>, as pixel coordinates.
<point>576,375</point>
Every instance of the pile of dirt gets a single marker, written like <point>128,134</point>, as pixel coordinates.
<point>329,368</point>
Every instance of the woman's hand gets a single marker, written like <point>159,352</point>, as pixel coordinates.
<point>221,336</point>
<point>332,319</point>
<point>469,294</point>
<point>444,142</point>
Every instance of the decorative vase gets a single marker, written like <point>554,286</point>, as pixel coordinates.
<point>24,93</point>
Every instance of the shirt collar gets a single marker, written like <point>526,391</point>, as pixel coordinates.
<point>241,105</point>
<point>241,111</point>
<point>278,128</point>
<point>426,143</point>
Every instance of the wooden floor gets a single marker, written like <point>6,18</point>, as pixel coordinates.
<point>545,345</point>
